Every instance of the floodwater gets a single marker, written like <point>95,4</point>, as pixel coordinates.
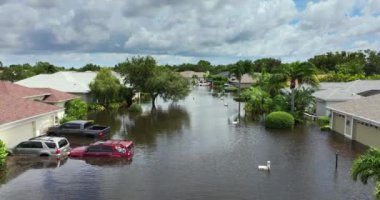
<point>191,150</point>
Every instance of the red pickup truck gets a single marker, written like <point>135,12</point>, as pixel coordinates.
<point>108,149</point>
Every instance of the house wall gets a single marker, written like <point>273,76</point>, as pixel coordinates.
<point>366,133</point>
<point>338,123</point>
<point>14,133</point>
<point>84,96</point>
<point>320,108</point>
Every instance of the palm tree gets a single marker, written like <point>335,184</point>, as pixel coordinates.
<point>366,167</point>
<point>297,73</point>
<point>238,70</point>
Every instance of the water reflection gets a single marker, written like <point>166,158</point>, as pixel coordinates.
<point>17,165</point>
<point>146,127</point>
<point>107,162</point>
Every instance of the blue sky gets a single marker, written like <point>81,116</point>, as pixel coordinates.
<point>72,33</point>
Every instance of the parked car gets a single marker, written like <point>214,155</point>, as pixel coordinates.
<point>80,127</point>
<point>42,146</point>
<point>107,149</point>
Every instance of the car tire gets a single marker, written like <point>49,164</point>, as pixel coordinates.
<point>44,155</point>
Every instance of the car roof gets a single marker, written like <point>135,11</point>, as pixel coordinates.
<point>125,143</point>
<point>47,139</point>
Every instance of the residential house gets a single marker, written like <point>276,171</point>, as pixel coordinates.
<point>330,93</point>
<point>76,83</point>
<point>246,81</point>
<point>358,119</point>
<point>199,76</point>
<point>27,112</point>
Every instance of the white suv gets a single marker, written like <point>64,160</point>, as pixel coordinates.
<point>42,146</point>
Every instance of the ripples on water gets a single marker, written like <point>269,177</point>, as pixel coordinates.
<point>190,150</point>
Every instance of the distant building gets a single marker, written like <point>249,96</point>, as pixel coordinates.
<point>76,83</point>
<point>358,119</point>
<point>246,81</point>
<point>192,74</point>
<point>27,112</point>
<point>334,92</point>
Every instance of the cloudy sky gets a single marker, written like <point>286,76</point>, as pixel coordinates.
<point>75,32</point>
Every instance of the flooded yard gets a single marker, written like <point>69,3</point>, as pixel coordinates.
<point>191,150</point>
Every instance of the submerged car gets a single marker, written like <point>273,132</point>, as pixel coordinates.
<point>42,146</point>
<point>108,149</point>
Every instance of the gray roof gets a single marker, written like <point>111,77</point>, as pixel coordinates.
<point>367,108</point>
<point>65,81</point>
<point>341,91</point>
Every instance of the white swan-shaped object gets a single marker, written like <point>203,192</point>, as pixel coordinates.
<point>235,122</point>
<point>265,167</point>
<point>225,104</point>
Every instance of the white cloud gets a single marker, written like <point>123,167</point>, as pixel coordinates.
<point>188,30</point>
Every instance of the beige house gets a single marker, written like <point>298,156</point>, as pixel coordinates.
<point>358,119</point>
<point>27,112</point>
<point>330,93</point>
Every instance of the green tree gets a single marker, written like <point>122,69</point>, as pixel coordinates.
<point>238,70</point>
<point>297,73</point>
<point>105,88</point>
<point>17,72</point>
<point>145,76</point>
<point>368,166</point>
<point>45,68</point>
<point>257,101</point>
<point>266,64</point>
<point>76,109</point>
<point>89,67</point>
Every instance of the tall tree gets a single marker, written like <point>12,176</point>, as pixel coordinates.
<point>238,70</point>
<point>368,166</point>
<point>106,87</point>
<point>44,68</point>
<point>145,76</point>
<point>297,73</point>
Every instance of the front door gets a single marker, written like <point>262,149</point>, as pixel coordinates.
<point>348,127</point>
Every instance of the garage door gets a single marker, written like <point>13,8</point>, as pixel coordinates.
<point>13,136</point>
<point>366,134</point>
<point>338,123</point>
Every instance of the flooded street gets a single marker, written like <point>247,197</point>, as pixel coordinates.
<point>191,150</point>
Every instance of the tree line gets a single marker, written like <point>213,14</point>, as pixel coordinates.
<point>332,66</point>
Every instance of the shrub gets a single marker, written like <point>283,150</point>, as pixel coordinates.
<point>279,120</point>
<point>135,108</point>
<point>3,154</point>
<point>231,89</point>
<point>325,128</point>
<point>323,120</point>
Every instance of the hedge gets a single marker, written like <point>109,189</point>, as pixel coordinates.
<point>3,153</point>
<point>279,120</point>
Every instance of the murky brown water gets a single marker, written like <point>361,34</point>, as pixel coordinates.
<point>190,150</point>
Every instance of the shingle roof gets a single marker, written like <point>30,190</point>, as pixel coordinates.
<point>14,108</point>
<point>245,79</point>
<point>366,108</point>
<point>15,90</point>
<point>341,91</point>
<point>65,81</point>
<point>190,74</point>
<point>57,96</point>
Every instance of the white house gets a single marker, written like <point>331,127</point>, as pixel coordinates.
<point>76,83</point>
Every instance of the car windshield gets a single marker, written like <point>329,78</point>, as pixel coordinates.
<point>62,143</point>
